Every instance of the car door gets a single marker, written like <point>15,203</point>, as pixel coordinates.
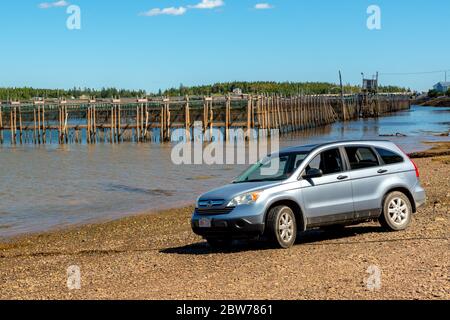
<point>328,199</point>
<point>367,176</point>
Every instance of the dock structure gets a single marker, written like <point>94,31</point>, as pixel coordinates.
<point>154,119</point>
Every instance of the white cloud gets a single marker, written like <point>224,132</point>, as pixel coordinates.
<point>263,6</point>
<point>208,4</point>
<point>56,4</point>
<point>172,11</point>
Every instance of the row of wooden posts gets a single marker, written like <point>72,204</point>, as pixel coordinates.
<point>124,120</point>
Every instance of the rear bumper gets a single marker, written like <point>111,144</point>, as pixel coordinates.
<point>419,196</point>
<point>420,204</point>
<point>238,228</point>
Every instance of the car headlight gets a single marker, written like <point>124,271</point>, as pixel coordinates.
<point>246,198</point>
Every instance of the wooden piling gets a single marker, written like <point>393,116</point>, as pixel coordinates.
<point>111,131</point>
<point>249,116</point>
<point>94,123</point>
<point>1,125</point>
<point>20,126</point>
<point>168,120</point>
<point>162,123</point>
<point>44,129</point>
<point>119,124</point>
<point>264,111</point>
<point>211,118</point>
<point>187,119</point>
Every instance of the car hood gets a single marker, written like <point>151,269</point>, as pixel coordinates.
<point>230,191</point>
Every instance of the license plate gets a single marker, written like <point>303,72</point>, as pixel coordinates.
<point>204,223</point>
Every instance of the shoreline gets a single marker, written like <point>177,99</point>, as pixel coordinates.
<point>442,102</point>
<point>156,256</point>
<point>437,149</point>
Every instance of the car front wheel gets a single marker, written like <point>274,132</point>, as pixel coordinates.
<point>282,226</point>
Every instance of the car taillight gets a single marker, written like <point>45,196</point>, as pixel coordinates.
<point>414,164</point>
<point>415,167</point>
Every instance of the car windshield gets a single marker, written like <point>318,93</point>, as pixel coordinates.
<point>275,167</point>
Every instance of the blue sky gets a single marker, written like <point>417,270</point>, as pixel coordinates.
<point>130,44</point>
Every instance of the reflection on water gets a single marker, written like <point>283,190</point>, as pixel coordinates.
<point>42,187</point>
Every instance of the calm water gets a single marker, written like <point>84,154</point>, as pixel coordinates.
<point>45,187</point>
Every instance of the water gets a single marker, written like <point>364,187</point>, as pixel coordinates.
<point>46,187</point>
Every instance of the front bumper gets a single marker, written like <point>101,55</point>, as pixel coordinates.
<point>235,228</point>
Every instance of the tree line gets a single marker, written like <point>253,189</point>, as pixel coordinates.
<point>435,94</point>
<point>260,87</point>
<point>27,93</point>
<point>269,87</point>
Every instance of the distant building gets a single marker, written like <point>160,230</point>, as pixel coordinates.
<point>370,85</point>
<point>237,91</point>
<point>442,86</point>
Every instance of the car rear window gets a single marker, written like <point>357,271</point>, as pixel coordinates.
<point>361,157</point>
<point>389,157</point>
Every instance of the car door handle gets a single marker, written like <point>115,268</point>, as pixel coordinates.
<point>381,171</point>
<point>342,177</point>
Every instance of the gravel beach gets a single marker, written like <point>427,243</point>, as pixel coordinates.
<point>156,256</point>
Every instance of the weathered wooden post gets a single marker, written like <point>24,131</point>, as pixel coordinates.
<point>227,117</point>
<point>20,126</point>
<point>44,128</point>
<point>147,115</point>
<point>88,125</point>
<point>11,124</point>
<point>211,118</point>
<point>162,123</point>
<point>168,123</point>
<point>94,123</point>
<point>119,117</point>
<point>111,132</point>
<point>249,117</point>
<point>187,119</point>
<point>66,124</point>
<point>142,122</point>
<point>1,125</point>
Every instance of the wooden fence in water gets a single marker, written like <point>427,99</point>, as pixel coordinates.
<point>142,120</point>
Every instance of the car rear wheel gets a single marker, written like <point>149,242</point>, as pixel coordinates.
<point>282,226</point>
<point>397,212</point>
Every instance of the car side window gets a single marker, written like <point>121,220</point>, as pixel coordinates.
<point>389,157</point>
<point>329,162</point>
<point>361,158</point>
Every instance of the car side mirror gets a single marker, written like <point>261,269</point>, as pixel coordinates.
<point>313,173</point>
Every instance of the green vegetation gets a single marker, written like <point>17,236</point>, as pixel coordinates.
<point>448,93</point>
<point>281,88</point>
<point>433,93</point>
<point>30,93</point>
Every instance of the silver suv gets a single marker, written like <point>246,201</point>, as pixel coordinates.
<point>313,186</point>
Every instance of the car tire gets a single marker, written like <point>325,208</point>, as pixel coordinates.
<point>397,212</point>
<point>282,226</point>
<point>219,243</point>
